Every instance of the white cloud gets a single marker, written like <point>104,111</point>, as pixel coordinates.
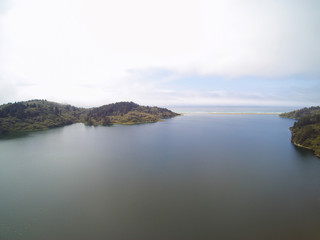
<point>103,51</point>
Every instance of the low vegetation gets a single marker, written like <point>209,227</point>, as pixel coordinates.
<point>42,114</point>
<point>306,131</point>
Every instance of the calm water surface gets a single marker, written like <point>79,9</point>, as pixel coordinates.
<point>198,176</point>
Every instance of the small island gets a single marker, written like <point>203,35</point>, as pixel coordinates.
<point>306,131</point>
<point>42,114</point>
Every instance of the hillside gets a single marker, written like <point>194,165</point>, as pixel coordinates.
<point>126,113</point>
<point>42,114</point>
<point>301,112</point>
<point>306,131</point>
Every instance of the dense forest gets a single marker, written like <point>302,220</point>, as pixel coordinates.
<point>306,131</point>
<point>297,114</point>
<point>43,114</point>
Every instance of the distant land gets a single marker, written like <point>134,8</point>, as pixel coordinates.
<point>306,131</point>
<point>42,114</point>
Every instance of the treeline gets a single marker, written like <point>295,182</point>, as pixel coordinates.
<point>37,115</point>
<point>306,131</point>
<point>106,115</point>
<point>301,112</point>
<point>307,120</point>
<point>36,108</point>
<point>126,113</point>
<point>43,114</point>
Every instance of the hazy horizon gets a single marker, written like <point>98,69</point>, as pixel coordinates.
<point>185,106</point>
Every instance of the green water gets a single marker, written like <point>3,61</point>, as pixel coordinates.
<point>198,176</point>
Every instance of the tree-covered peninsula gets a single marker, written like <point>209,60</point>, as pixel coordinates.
<point>42,114</point>
<point>306,131</point>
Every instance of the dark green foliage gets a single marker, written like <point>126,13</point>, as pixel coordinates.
<point>301,112</point>
<point>126,113</point>
<point>307,120</point>
<point>306,131</point>
<point>42,114</point>
<point>36,115</point>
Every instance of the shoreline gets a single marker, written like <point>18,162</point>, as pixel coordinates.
<point>301,146</point>
<point>304,147</point>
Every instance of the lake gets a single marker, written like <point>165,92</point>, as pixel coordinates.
<point>197,176</point>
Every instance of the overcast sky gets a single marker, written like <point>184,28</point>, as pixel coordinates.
<point>167,52</point>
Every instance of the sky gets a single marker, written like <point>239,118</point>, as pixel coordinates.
<point>168,52</point>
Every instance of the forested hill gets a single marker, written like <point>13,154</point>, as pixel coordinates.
<point>126,113</point>
<point>43,114</point>
<point>306,131</point>
<point>301,112</point>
